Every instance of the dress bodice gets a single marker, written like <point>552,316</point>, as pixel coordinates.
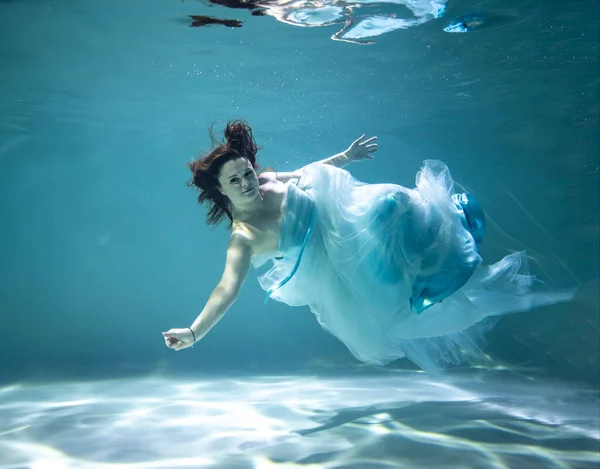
<point>298,210</point>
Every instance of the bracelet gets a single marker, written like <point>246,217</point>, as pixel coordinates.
<point>193,335</point>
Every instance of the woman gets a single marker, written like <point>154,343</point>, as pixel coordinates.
<point>390,271</point>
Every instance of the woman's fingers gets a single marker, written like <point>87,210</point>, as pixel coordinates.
<point>369,140</point>
<point>177,339</point>
<point>357,141</point>
<point>170,339</point>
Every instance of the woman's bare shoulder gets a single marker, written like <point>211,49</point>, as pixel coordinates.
<point>267,175</point>
<point>270,176</point>
<point>241,237</point>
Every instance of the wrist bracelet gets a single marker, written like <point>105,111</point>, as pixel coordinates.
<point>193,335</point>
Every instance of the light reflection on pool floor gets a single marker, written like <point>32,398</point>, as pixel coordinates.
<point>398,420</point>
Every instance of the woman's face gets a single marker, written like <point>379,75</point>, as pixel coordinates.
<point>239,182</point>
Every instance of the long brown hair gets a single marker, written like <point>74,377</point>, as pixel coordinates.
<point>239,143</point>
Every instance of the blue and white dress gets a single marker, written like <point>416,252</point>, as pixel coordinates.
<point>392,271</point>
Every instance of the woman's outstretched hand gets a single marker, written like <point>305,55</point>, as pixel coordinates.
<point>361,149</point>
<point>178,339</point>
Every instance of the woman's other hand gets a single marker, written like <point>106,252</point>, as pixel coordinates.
<point>361,149</point>
<point>178,339</point>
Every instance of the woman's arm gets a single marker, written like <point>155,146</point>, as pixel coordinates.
<point>359,150</point>
<point>340,160</point>
<point>224,295</point>
<point>237,264</point>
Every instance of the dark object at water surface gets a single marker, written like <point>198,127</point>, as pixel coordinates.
<point>199,21</point>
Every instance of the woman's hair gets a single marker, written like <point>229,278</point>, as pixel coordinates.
<point>239,143</point>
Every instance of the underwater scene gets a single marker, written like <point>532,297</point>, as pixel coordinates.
<point>264,234</point>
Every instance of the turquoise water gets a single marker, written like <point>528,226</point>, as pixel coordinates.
<point>102,245</point>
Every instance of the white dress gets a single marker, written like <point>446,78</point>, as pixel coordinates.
<point>392,271</point>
